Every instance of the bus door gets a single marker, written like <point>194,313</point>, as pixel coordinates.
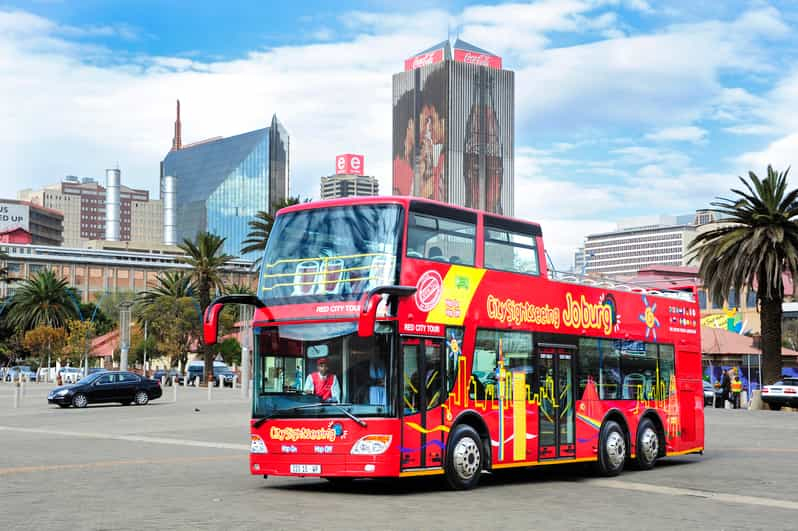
<point>556,379</point>
<point>422,389</point>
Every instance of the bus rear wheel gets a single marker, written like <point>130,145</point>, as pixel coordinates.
<point>464,458</point>
<point>647,445</point>
<point>612,449</point>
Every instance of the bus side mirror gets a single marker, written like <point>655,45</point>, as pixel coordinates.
<point>368,312</point>
<point>210,321</point>
<point>210,324</point>
<point>368,315</point>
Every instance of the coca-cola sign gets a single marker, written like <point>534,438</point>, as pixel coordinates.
<point>476,58</point>
<point>424,59</point>
<point>349,164</point>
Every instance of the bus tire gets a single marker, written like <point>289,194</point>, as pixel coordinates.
<point>647,445</point>
<point>464,458</point>
<point>612,449</point>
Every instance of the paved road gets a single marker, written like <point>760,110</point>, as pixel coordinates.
<point>184,466</point>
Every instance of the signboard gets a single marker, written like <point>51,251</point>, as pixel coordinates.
<point>476,58</point>
<point>14,216</point>
<point>424,59</point>
<point>349,164</point>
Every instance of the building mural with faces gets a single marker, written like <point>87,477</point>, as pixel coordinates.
<point>453,123</point>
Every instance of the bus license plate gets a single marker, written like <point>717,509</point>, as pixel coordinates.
<point>306,469</point>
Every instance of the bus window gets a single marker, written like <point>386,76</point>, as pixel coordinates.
<point>666,368</point>
<point>609,369</point>
<point>454,349</point>
<point>638,369</point>
<point>516,353</point>
<point>440,239</point>
<point>510,251</point>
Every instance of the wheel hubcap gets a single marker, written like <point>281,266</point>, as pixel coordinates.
<point>141,398</point>
<point>649,445</point>
<point>466,458</point>
<point>616,449</point>
<point>80,400</point>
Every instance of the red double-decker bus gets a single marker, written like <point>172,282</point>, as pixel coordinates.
<point>401,337</point>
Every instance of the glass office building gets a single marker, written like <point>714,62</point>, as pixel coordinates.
<point>223,182</point>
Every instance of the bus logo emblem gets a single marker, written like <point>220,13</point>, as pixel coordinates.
<point>428,290</point>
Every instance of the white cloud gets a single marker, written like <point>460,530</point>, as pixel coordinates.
<point>780,154</point>
<point>678,134</point>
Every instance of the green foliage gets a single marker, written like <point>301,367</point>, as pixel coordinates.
<point>109,304</point>
<point>755,244</point>
<point>43,299</point>
<point>173,324</point>
<point>78,341</point>
<point>102,323</point>
<point>230,349</point>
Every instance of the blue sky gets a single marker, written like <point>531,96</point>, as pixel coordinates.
<point>625,109</point>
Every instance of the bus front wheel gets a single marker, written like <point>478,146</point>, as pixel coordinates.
<point>612,449</point>
<point>464,458</point>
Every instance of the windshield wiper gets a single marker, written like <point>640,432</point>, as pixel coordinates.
<point>340,407</point>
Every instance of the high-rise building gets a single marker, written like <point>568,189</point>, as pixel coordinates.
<point>218,185</point>
<point>453,123</point>
<point>83,203</point>
<point>349,179</point>
<point>28,223</point>
<point>632,248</point>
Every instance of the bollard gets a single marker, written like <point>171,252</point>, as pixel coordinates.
<point>196,381</point>
<point>163,380</point>
<point>16,396</point>
<point>210,389</point>
<point>21,387</point>
<point>235,380</point>
<point>174,388</point>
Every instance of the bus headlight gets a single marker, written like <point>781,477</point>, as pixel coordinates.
<point>372,445</point>
<point>256,445</point>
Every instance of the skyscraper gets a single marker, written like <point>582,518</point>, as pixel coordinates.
<point>221,183</point>
<point>453,122</point>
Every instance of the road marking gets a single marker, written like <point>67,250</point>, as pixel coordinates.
<point>130,438</point>
<point>716,496</point>
<point>105,464</point>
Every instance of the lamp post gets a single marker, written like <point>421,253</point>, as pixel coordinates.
<point>124,333</point>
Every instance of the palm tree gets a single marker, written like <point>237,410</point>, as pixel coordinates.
<point>43,299</point>
<point>168,284</point>
<point>3,270</point>
<point>206,258</point>
<point>261,227</point>
<point>755,245</point>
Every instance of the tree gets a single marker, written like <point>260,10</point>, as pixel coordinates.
<point>102,322</point>
<point>43,299</point>
<point>4,269</point>
<point>109,303</point>
<point>755,245</point>
<point>174,325</point>
<point>206,258</point>
<point>78,341</point>
<point>261,226</point>
<point>45,340</point>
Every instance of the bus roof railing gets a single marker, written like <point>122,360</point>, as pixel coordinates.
<point>610,283</point>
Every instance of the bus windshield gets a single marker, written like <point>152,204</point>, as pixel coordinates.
<point>309,370</point>
<point>335,253</point>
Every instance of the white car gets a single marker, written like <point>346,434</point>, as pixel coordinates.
<point>782,393</point>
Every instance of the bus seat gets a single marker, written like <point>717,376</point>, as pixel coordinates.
<point>434,252</point>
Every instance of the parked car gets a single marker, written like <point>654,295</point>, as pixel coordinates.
<point>171,373</point>
<point>711,394</point>
<point>95,370</point>
<point>108,386</point>
<point>226,373</point>
<point>17,371</point>
<point>782,393</point>
<point>196,369</point>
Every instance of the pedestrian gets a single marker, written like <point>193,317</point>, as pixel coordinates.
<point>736,389</point>
<point>725,387</point>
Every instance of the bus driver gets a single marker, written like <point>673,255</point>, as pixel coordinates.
<point>322,383</point>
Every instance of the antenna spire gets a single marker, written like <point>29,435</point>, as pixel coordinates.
<point>177,140</point>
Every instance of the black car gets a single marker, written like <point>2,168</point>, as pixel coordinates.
<point>109,386</point>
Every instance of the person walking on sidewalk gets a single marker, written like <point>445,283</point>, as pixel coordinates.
<point>725,388</point>
<point>736,389</point>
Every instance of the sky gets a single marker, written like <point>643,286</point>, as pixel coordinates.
<point>625,109</point>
